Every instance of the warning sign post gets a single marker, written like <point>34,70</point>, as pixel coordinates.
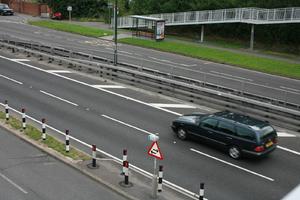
<point>155,152</point>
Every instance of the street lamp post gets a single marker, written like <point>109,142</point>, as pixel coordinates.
<point>115,33</point>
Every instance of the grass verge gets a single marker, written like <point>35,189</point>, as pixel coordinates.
<point>72,28</point>
<point>51,142</point>
<point>252,62</point>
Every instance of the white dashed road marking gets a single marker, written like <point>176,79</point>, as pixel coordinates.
<point>109,86</point>
<point>13,183</point>
<point>56,97</point>
<point>289,150</point>
<point>59,71</point>
<point>233,165</point>
<point>283,134</point>
<point>165,105</point>
<point>13,80</point>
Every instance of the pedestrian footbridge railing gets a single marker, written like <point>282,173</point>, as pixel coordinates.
<point>234,15</point>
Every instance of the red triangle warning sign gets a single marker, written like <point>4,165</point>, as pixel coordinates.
<point>155,151</point>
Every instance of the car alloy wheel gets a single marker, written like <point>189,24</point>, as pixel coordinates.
<point>234,152</point>
<point>181,134</point>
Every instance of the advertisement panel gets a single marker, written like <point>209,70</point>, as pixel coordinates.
<point>160,30</point>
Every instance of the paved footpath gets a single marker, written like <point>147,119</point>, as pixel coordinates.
<point>29,174</point>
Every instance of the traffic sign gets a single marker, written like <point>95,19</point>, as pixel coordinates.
<point>69,8</point>
<point>155,151</point>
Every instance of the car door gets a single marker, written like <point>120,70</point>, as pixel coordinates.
<point>225,133</point>
<point>207,128</point>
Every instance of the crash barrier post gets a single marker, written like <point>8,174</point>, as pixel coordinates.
<point>67,141</point>
<point>94,164</point>
<point>23,118</point>
<point>126,173</point>
<point>124,160</point>
<point>44,129</point>
<point>6,110</point>
<point>160,178</point>
<point>201,191</point>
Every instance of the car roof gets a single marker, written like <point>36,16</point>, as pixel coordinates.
<point>242,119</point>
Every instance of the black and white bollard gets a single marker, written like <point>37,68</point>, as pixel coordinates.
<point>160,178</point>
<point>23,118</point>
<point>124,160</point>
<point>44,129</point>
<point>126,173</point>
<point>201,192</point>
<point>6,110</point>
<point>94,161</point>
<point>67,141</point>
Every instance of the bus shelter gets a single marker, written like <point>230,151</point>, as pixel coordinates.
<point>151,27</point>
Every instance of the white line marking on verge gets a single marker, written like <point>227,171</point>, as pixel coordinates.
<point>13,80</point>
<point>56,97</point>
<point>135,168</point>
<point>59,71</point>
<point>283,134</point>
<point>166,105</point>
<point>104,90</point>
<point>109,86</point>
<point>13,183</point>
<point>233,165</point>
<point>289,150</point>
<point>237,77</point>
<point>20,60</point>
<point>131,126</point>
<point>292,89</point>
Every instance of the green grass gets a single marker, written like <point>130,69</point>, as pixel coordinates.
<point>266,65</point>
<point>50,141</point>
<point>72,28</point>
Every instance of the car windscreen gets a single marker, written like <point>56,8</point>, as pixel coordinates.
<point>266,131</point>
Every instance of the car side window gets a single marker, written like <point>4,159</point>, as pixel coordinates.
<point>245,133</point>
<point>226,127</point>
<point>209,123</point>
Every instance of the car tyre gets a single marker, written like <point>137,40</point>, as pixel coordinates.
<point>234,152</point>
<point>181,134</point>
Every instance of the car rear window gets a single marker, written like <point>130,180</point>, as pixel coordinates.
<point>266,131</point>
<point>245,133</point>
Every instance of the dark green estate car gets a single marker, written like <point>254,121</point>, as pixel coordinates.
<point>5,10</point>
<point>239,134</point>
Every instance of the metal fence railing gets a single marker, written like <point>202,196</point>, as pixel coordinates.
<point>234,15</point>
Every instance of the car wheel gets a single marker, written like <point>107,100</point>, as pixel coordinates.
<point>181,134</point>
<point>234,152</point>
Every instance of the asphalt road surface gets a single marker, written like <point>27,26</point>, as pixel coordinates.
<point>29,174</point>
<point>115,118</point>
<point>275,87</point>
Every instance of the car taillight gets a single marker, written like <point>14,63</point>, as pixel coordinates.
<point>274,140</point>
<point>259,149</point>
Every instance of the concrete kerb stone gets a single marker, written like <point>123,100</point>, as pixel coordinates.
<point>66,160</point>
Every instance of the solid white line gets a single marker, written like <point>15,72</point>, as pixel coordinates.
<point>120,161</point>
<point>59,71</point>
<point>165,105</point>
<point>64,100</point>
<point>20,60</point>
<point>13,80</point>
<point>13,183</point>
<point>104,90</point>
<point>125,52</point>
<point>283,134</point>
<point>233,165</point>
<point>295,90</point>
<point>109,86</point>
<point>131,126</point>
<point>232,76</point>
<point>289,150</point>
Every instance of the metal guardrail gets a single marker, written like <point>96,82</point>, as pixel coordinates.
<point>279,96</point>
<point>234,15</point>
<point>180,87</point>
